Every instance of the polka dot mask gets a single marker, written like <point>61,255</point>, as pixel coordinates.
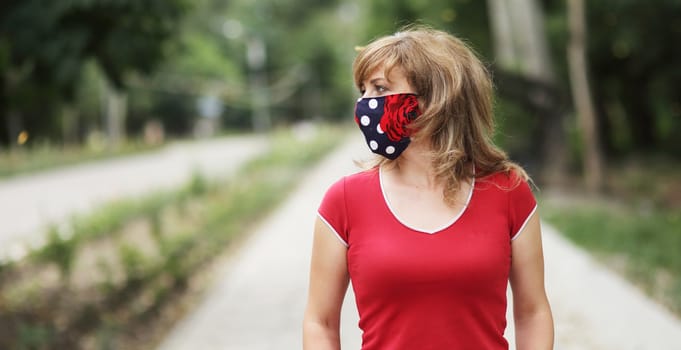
<point>383,121</point>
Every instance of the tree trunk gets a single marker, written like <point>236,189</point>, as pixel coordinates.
<point>502,33</point>
<point>256,57</point>
<point>527,21</point>
<point>4,110</point>
<point>69,124</point>
<point>14,121</point>
<point>14,127</point>
<point>581,93</point>
<point>521,46</point>
<point>114,109</point>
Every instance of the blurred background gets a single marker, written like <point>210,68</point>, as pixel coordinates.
<point>588,100</point>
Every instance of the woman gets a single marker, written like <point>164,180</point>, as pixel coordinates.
<point>432,233</point>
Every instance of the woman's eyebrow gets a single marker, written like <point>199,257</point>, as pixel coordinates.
<point>375,80</point>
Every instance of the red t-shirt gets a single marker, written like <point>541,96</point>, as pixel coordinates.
<point>429,290</point>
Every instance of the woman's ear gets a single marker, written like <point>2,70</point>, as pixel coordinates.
<point>422,102</point>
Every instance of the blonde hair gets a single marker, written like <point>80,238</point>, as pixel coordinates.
<point>456,92</point>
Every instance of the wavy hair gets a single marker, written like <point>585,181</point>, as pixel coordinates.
<point>456,92</point>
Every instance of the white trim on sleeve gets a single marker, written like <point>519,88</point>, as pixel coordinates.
<point>525,223</point>
<point>332,230</point>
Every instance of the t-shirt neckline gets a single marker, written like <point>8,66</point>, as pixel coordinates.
<point>405,224</point>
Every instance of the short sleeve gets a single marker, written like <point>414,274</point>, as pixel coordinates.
<point>333,210</point>
<point>522,205</point>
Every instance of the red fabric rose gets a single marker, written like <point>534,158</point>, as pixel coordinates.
<point>399,110</point>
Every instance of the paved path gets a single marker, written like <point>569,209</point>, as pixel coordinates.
<point>259,298</point>
<point>30,202</point>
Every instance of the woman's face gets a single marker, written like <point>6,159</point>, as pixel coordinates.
<point>377,84</point>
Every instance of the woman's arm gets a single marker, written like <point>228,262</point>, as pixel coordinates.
<point>328,284</point>
<point>531,310</point>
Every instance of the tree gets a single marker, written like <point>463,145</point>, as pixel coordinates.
<point>44,46</point>
<point>592,158</point>
<point>309,47</point>
<point>636,75</point>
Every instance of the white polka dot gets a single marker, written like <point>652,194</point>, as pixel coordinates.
<point>373,144</point>
<point>365,120</point>
<point>390,150</point>
<point>373,103</point>
<point>359,99</point>
<point>378,128</point>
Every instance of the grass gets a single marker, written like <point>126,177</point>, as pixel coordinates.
<point>43,157</point>
<point>641,242</point>
<point>146,253</point>
<point>635,228</point>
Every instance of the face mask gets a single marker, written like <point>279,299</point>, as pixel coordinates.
<point>383,121</point>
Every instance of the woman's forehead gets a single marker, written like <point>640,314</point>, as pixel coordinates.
<point>390,73</point>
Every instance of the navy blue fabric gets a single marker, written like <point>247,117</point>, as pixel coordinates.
<point>369,121</point>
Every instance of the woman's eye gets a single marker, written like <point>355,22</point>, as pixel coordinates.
<point>380,88</point>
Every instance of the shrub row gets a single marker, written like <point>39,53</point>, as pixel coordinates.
<point>114,270</point>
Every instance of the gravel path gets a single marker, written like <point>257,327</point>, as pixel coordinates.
<point>29,203</point>
<point>596,309</point>
<point>258,300</point>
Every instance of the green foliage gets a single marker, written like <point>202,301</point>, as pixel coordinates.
<point>72,46</point>
<point>203,54</point>
<point>44,49</point>
<point>106,336</point>
<point>119,35</point>
<point>4,267</point>
<point>465,18</point>
<point>175,250</point>
<point>639,76</point>
<point>115,214</point>
<point>34,337</point>
<point>635,73</point>
<point>156,224</point>
<point>59,250</point>
<point>108,220</point>
<point>198,184</point>
<point>309,47</point>
<point>133,261</point>
<point>104,269</point>
<point>516,130</point>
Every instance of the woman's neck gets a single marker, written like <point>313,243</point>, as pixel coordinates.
<point>414,167</point>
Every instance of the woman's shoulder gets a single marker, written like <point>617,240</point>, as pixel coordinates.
<point>363,174</point>
<point>505,179</point>
<point>356,181</point>
<point>361,178</point>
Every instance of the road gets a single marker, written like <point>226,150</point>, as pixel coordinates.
<point>31,202</point>
<point>258,299</point>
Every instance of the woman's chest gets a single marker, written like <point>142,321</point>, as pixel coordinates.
<point>466,256</point>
